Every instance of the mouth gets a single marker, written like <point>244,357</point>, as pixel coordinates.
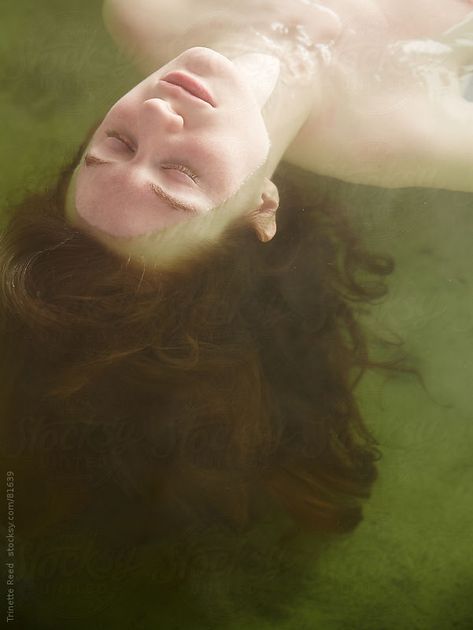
<point>191,85</point>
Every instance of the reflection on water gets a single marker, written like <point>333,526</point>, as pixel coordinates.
<point>115,564</point>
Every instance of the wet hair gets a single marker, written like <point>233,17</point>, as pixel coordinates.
<point>214,388</point>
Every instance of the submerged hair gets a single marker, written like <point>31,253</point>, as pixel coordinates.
<point>202,388</point>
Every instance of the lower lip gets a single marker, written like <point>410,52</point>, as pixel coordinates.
<point>189,84</point>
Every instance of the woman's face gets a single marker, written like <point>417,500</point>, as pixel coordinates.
<point>161,154</point>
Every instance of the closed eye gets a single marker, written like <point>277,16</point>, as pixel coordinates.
<point>168,166</point>
<point>114,134</point>
<point>182,169</point>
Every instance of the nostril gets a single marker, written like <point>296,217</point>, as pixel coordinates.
<point>156,100</point>
<point>163,106</point>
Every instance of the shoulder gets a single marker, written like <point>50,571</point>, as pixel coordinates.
<point>143,28</point>
<point>166,12</point>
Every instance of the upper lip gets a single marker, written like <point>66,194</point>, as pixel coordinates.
<point>189,84</point>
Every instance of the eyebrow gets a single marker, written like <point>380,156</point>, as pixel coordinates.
<point>91,160</point>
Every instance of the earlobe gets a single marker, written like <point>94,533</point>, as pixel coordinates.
<point>264,217</point>
<point>266,228</point>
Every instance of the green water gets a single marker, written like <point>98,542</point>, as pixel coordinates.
<point>410,563</point>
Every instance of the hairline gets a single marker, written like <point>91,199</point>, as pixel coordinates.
<point>191,234</point>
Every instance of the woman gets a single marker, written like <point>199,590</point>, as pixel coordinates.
<point>187,372</point>
<point>286,80</point>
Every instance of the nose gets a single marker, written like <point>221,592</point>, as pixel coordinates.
<point>159,115</point>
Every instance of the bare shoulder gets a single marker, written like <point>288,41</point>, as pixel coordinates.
<point>419,18</point>
<point>392,108</point>
<point>142,28</point>
<point>141,12</point>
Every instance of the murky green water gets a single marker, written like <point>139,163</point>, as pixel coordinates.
<point>409,564</point>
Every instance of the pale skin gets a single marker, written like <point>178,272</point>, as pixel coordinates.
<point>363,91</point>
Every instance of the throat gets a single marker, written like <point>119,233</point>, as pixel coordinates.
<point>261,72</point>
<point>300,37</point>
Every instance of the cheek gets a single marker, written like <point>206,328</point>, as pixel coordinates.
<point>123,109</point>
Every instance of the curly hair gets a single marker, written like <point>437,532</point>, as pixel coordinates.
<point>206,389</point>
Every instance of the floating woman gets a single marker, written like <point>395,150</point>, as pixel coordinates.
<point>179,314</point>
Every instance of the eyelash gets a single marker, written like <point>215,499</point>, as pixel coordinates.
<point>178,167</point>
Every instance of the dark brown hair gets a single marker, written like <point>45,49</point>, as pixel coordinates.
<point>200,390</point>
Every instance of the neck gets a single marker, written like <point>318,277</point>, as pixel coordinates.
<point>282,63</point>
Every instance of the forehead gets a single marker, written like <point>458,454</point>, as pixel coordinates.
<point>171,244</point>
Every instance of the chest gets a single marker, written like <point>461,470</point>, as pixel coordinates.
<point>371,89</point>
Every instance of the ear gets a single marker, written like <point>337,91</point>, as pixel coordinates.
<point>263,218</point>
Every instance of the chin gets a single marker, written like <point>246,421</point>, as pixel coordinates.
<point>203,60</point>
